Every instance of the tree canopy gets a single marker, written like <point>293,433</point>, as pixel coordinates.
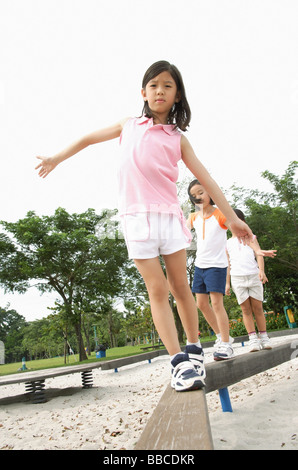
<point>273,219</point>
<point>72,254</point>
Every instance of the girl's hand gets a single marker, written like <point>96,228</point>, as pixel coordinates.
<point>241,230</point>
<point>228,289</point>
<point>269,253</point>
<point>262,276</point>
<point>46,166</point>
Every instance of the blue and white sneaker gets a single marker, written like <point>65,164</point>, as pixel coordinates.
<point>223,352</point>
<point>184,375</point>
<point>196,356</point>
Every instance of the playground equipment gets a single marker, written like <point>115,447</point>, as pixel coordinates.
<point>184,411</point>
<point>290,317</point>
<point>34,380</point>
<point>179,422</point>
<point>188,413</point>
<point>24,364</point>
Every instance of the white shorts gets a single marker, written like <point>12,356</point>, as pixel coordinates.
<point>150,234</point>
<point>247,286</point>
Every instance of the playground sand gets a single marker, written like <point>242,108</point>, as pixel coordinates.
<point>113,413</point>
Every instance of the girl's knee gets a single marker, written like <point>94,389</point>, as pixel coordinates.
<point>257,307</point>
<point>202,303</point>
<point>246,311</point>
<point>179,289</point>
<point>158,290</point>
<point>246,307</point>
<point>217,302</point>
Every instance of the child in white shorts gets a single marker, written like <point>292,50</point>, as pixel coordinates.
<point>150,234</point>
<point>247,286</point>
<point>247,275</point>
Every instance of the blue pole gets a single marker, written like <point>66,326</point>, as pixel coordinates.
<point>225,399</point>
<point>24,364</point>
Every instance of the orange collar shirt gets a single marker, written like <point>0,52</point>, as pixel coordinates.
<point>211,235</point>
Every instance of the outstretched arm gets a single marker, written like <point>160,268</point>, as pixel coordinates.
<point>48,164</point>
<point>254,244</point>
<point>237,226</point>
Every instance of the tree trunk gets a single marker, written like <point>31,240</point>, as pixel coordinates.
<point>65,350</point>
<point>82,352</point>
<point>86,331</point>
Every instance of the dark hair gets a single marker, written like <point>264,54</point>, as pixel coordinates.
<point>239,214</point>
<point>193,200</point>
<point>180,113</point>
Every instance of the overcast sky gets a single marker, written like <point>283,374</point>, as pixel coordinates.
<point>69,67</point>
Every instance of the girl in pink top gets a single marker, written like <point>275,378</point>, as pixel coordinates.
<point>151,146</point>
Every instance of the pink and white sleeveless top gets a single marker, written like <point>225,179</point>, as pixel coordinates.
<point>148,168</point>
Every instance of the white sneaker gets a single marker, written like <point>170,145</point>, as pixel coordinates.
<point>218,340</point>
<point>196,356</point>
<point>254,344</point>
<point>223,351</point>
<point>184,374</point>
<point>265,341</point>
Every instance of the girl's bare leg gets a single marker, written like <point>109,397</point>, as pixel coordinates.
<point>179,287</point>
<point>248,318</point>
<point>257,308</point>
<point>158,290</point>
<point>221,315</point>
<point>206,309</point>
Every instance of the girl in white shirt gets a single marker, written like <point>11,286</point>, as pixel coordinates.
<point>211,265</point>
<point>246,272</point>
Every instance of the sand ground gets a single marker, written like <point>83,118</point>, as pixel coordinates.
<point>113,413</point>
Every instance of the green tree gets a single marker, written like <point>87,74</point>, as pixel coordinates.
<point>11,333</point>
<point>138,322</point>
<point>273,218</point>
<point>76,255</point>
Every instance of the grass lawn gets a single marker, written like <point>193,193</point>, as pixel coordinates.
<point>38,364</point>
<point>114,353</point>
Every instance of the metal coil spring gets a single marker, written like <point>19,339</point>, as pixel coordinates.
<point>87,379</point>
<point>36,391</point>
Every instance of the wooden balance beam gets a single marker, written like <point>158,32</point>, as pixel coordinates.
<point>181,421</point>
<point>35,380</point>
<point>225,373</point>
<point>124,361</point>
